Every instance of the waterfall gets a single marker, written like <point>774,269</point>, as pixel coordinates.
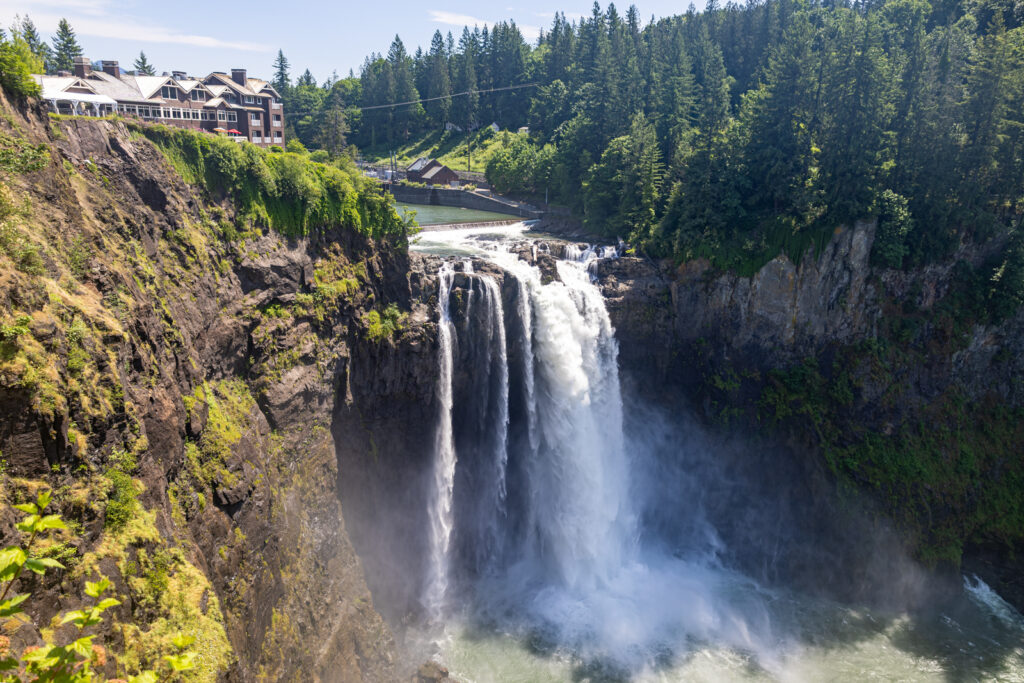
<point>538,495</point>
<point>575,514</point>
<point>541,532</point>
<point>440,513</point>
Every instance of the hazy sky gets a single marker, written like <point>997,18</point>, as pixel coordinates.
<point>200,37</point>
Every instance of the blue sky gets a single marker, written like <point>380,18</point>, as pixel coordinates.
<point>200,37</point>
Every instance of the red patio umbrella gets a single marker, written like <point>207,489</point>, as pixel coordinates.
<point>235,132</point>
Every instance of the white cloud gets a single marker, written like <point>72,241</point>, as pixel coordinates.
<point>531,33</point>
<point>95,20</point>
<point>453,19</point>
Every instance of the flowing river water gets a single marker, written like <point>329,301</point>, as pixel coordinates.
<point>540,566</point>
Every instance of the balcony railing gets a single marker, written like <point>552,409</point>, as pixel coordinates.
<point>257,139</point>
<point>256,122</point>
<point>277,124</point>
<point>275,105</point>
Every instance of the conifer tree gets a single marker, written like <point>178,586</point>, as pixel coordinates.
<point>65,47</point>
<point>438,82</point>
<point>143,67</point>
<point>282,79</point>
<point>27,31</point>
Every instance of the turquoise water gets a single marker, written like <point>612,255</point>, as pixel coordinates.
<point>434,215</point>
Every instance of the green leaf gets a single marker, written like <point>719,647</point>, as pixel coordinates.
<point>78,616</point>
<point>44,499</point>
<point>8,664</point>
<point>37,655</point>
<point>82,647</point>
<point>51,522</point>
<point>11,559</point>
<point>30,508</point>
<point>181,641</point>
<point>95,588</point>
<point>10,607</point>
<point>39,565</point>
<point>144,677</point>
<point>28,525</point>
<point>182,662</point>
<point>106,604</point>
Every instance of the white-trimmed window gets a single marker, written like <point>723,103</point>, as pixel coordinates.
<point>257,137</point>
<point>222,115</point>
<point>232,117</point>
<point>169,92</point>
<point>254,119</point>
<point>277,136</point>
<point>249,99</point>
<point>198,95</point>
<point>277,121</point>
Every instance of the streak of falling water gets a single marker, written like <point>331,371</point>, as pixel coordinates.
<point>441,517</point>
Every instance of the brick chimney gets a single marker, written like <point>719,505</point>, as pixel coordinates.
<point>82,67</point>
<point>110,67</point>
<point>238,76</point>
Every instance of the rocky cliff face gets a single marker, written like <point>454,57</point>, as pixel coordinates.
<point>223,372</point>
<point>864,376</point>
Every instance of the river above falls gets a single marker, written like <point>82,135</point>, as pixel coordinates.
<point>542,566</point>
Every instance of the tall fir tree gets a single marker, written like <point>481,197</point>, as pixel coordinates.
<point>65,47</point>
<point>143,67</point>
<point>282,79</point>
<point>438,82</point>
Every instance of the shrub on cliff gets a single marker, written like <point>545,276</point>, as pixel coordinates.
<point>76,661</point>
<point>286,192</point>
<point>17,64</point>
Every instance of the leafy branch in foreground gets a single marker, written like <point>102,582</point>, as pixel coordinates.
<point>77,661</point>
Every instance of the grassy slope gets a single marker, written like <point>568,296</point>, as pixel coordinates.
<point>449,147</point>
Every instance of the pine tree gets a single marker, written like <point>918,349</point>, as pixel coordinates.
<point>143,67</point>
<point>464,107</point>
<point>282,79</point>
<point>26,30</point>
<point>438,82</point>
<point>65,47</point>
<point>405,91</point>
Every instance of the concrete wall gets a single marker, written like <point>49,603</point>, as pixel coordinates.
<point>439,196</point>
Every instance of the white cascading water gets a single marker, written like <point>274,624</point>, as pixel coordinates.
<point>556,516</point>
<point>575,568</point>
<point>441,518</point>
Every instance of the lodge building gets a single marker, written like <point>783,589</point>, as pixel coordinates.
<point>245,109</point>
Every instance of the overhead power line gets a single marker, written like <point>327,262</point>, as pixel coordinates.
<point>428,99</point>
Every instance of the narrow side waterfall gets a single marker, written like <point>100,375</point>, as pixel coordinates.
<point>440,512</point>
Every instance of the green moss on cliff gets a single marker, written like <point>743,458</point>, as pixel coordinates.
<point>286,192</point>
<point>950,475</point>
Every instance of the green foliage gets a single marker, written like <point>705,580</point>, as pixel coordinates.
<point>894,224</point>
<point>285,192</point>
<point>77,661</point>
<point>776,123</point>
<point>122,496</point>
<point>518,165</point>
<point>65,48</point>
<point>386,325</point>
<point>142,66</point>
<point>622,192</point>
<point>18,156</point>
<point>17,64</point>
